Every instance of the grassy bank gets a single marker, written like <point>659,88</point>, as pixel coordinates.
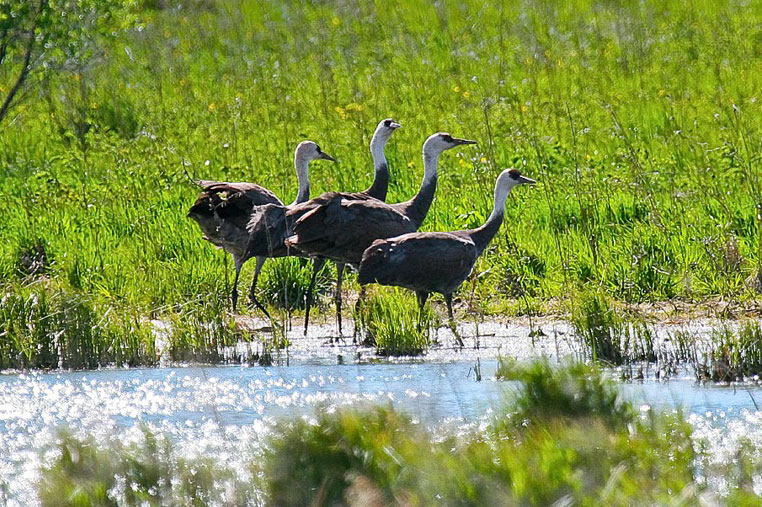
<point>640,121</point>
<point>565,435</point>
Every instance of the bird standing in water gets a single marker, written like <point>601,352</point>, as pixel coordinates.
<point>340,229</point>
<point>427,262</point>
<point>223,210</point>
<point>270,225</point>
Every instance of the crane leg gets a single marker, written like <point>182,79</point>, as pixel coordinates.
<point>252,290</point>
<point>316,265</point>
<point>422,297</point>
<point>234,295</point>
<point>453,327</point>
<point>358,314</point>
<point>337,296</point>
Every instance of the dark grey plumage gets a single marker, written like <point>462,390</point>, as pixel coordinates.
<point>428,262</point>
<point>270,225</point>
<point>223,211</point>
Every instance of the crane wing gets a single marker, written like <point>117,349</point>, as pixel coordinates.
<point>421,261</point>
<point>342,228</point>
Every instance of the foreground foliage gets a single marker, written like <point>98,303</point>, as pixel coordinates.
<point>566,436</point>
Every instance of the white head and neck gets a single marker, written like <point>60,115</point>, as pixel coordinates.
<point>505,182</point>
<point>306,152</point>
<point>418,206</point>
<point>381,136</point>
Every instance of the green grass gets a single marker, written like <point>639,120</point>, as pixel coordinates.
<point>609,334</point>
<point>285,284</point>
<point>730,355</point>
<point>389,320</point>
<point>565,437</point>
<point>640,120</point>
<point>148,473</point>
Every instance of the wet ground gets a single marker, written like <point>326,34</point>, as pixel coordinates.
<point>225,412</point>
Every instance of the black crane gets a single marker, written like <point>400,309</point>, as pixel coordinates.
<point>428,262</point>
<point>223,210</point>
<point>270,225</point>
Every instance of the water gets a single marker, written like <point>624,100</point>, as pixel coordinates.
<point>226,412</point>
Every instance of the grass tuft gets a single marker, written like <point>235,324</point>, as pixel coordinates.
<point>574,391</point>
<point>390,321</point>
<point>285,282</point>
<point>733,355</point>
<point>610,335</point>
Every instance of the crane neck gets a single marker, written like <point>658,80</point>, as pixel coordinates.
<point>380,184</point>
<point>481,236</point>
<point>301,165</point>
<point>417,208</point>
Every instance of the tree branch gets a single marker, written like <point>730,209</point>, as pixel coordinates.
<point>22,75</point>
<point>26,68</point>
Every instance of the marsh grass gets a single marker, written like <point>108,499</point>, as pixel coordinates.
<point>145,473</point>
<point>44,328</point>
<point>201,332</point>
<point>390,321</point>
<point>285,284</point>
<point>732,355</point>
<point>611,335</point>
<point>575,390</point>
<point>578,443</point>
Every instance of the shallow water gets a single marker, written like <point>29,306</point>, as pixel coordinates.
<point>225,412</point>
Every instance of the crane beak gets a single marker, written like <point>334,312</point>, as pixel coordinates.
<point>326,156</point>
<point>524,179</point>
<point>394,125</point>
<point>462,141</point>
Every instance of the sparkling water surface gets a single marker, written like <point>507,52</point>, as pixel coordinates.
<point>226,412</point>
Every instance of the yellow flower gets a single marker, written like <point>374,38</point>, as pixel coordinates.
<point>466,95</point>
<point>661,93</point>
<point>341,112</point>
<point>353,106</point>
<point>335,21</point>
<point>483,160</point>
<point>456,89</point>
<point>211,106</point>
<point>524,108</point>
<point>462,162</point>
<point>410,164</point>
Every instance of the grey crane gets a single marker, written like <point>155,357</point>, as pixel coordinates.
<point>222,211</point>
<point>340,229</point>
<point>428,262</point>
<point>270,225</point>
